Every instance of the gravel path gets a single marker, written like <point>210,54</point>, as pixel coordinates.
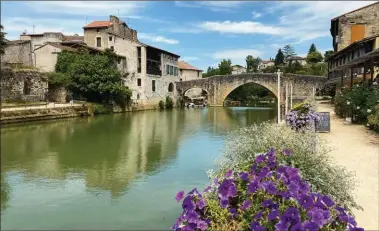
<point>50,105</point>
<point>357,149</point>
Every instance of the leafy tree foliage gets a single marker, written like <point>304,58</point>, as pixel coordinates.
<point>279,58</point>
<point>225,67</point>
<point>58,79</point>
<point>312,48</point>
<point>2,40</point>
<point>247,92</point>
<point>94,76</point>
<point>327,54</point>
<point>314,57</point>
<point>288,51</point>
<point>211,72</point>
<point>252,63</point>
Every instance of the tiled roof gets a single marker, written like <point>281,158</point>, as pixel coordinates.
<point>60,46</point>
<point>267,61</point>
<point>97,24</point>
<point>186,66</point>
<point>73,38</point>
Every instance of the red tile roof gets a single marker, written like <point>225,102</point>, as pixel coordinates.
<point>267,61</point>
<point>186,66</point>
<point>98,24</point>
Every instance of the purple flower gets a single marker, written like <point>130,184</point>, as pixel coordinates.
<point>282,169</point>
<point>258,215</point>
<point>192,217</point>
<point>351,228</point>
<point>227,189</point>
<point>270,187</point>
<point>298,227</point>
<point>273,215</point>
<point>328,201</point>
<point>343,217</point>
<point>291,215</point>
<point>311,226</point>
<point>285,195</point>
<point>287,152</point>
<point>201,203</point>
<point>179,196</point>
<point>269,204</point>
<point>233,211</point>
<point>264,171</point>
<point>318,217</point>
<point>187,228</point>
<point>228,173</point>
<point>246,204</point>
<point>306,201</point>
<point>194,192</point>
<point>188,204</point>
<point>207,189</point>
<point>253,186</point>
<point>304,187</point>
<point>255,226</point>
<point>259,158</point>
<point>282,226</point>
<point>224,202</point>
<point>244,176</point>
<point>293,188</point>
<point>202,225</point>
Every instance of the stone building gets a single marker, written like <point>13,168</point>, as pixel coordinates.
<point>17,52</point>
<point>265,63</point>
<point>22,85</point>
<point>188,72</point>
<point>238,69</point>
<point>296,59</point>
<point>354,26</point>
<point>152,72</point>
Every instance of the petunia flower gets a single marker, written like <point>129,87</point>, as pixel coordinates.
<point>201,203</point>
<point>306,201</point>
<point>244,176</point>
<point>179,196</point>
<point>287,152</point>
<point>192,217</point>
<point>270,187</point>
<point>188,204</point>
<point>202,225</point>
<point>233,211</point>
<point>253,186</point>
<point>224,202</point>
<point>255,226</point>
<point>273,215</point>
<point>246,204</point>
<point>228,173</point>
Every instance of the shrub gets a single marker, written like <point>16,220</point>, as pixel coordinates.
<point>302,117</point>
<point>264,195</point>
<point>308,149</point>
<point>58,79</point>
<point>373,119</point>
<point>169,102</point>
<point>100,109</point>
<point>161,104</point>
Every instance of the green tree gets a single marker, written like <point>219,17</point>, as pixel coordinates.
<point>252,63</point>
<point>211,72</point>
<point>327,54</point>
<point>312,48</point>
<point>2,40</point>
<point>94,76</point>
<point>225,67</point>
<point>279,58</point>
<point>288,51</point>
<point>314,57</point>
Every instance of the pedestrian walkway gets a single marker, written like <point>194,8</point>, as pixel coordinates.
<point>357,149</point>
<point>49,105</point>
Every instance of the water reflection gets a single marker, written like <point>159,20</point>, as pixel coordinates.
<point>106,155</point>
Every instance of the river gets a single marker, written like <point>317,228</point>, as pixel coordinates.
<point>119,171</point>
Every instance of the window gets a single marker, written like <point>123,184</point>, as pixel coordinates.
<point>181,72</point>
<point>175,71</point>
<point>153,85</point>
<point>171,70</point>
<point>98,42</point>
<point>357,32</point>
<point>26,88</point>
<point>139,82</point>
<point>139,51</point>
<point>171,87</point>
<point>167,69</point>
<point>112,48</point>
<point>198,73</point>
<point>97,30</point>
<point>110,38</point>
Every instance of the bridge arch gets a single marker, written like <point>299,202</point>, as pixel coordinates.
<point>234,87</point>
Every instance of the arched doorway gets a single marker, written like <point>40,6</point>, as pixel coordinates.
<point>170,87</point>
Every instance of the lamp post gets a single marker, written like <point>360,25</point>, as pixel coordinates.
<point>279,73</point>
<point>291,96</point>
<point>286,98</point>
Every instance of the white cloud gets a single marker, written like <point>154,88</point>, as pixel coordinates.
<point>243,27</point>
<point>223,6</point>
<point>236,55</point>
<point>87,8</point>
<point>256,15</point>
<point>156,38</point>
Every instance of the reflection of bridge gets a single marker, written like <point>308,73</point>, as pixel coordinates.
<point>220,86</point>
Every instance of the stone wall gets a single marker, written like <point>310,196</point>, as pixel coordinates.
<point>368,16</point>
<point>57,94</point>
<point>189,74</point>
<point>23,85</point>
<point>17,52</point>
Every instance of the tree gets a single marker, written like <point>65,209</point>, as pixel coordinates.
<point>279,58</point>
<point>225,67</point>
<point>211,72</point>
<point>314,57</point>
<point>312,48</point>
<point>288,51</point>
<point>327,54</point>
<point>2,40</point>
<point>252,63</point>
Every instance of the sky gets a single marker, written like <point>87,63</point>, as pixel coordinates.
<point>201,32</point>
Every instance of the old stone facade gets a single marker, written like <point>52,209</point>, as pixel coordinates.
<point>23,85</point>
<point>17,52</point>
<point>355,26</point>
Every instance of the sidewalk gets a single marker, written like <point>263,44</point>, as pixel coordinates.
<point>50,105</point>
<point>357,149</point>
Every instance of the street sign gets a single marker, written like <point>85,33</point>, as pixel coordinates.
<point>323,125</point>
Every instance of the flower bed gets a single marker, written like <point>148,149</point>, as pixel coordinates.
<point>302,117</point>
<point>264,195</point>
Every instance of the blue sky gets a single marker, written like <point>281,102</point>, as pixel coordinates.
<point>201,32</point>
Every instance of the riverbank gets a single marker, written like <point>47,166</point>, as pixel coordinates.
<point>357,148</point>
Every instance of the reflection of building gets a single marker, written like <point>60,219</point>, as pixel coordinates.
<point>356,46</point>
<point>238,69</point>
<point>188,72</point>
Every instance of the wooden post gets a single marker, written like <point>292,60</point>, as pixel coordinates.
<point>364,72</point>
<point>351,77</point>
<point>372,71</point>
<point>341,73</point>
<point>291,96</point>
<point>286,110</point>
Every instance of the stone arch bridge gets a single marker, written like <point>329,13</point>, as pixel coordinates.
<point>220,86</point>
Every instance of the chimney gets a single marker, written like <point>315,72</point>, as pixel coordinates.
<point>134,35</point>
<point>113,19</point>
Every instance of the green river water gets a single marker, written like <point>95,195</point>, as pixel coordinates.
<point>119,171</point>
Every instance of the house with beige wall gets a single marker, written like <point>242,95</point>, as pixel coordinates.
<point>151,71</point>
<point>189,72</point>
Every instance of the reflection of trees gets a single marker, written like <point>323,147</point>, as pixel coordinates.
<point>109,150</point>
<point>4,193</point>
